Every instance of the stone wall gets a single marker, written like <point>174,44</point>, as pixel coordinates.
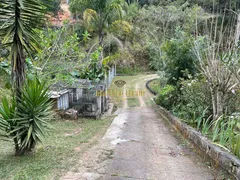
<point>204,146</point>
<point>148,87</point>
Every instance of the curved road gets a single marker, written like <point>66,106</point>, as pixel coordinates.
<point>139,144</point>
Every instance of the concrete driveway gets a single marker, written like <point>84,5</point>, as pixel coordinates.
<point>139,144</point>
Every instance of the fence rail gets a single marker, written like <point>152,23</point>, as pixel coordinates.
<point>110,76</point>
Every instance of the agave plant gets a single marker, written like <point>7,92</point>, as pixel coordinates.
<point>26,120</point>
<point>7,112</point>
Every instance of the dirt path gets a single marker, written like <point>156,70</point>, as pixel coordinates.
<point>140,145</point>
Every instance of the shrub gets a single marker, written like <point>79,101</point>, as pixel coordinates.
<point>154,55</point>
<point>179,59</point>
<point>129,70</point>
<point>25,119</point>
<point>93,71</point>
<point>167,97</point>
<point>232,102</point>
<point>194,98</point>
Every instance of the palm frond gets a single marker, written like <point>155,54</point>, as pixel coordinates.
<point>89,15</point>
<point>122,26</point>
<point>18,21</point>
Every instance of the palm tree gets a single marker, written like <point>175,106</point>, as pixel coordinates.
<point>18,21</point>
<point>103,15</point>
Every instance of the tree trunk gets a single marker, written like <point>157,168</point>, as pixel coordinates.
<point>18,77</point>
<point>220,104</point>
<point>101,37</point>
<point>17,54</point>
<point>17,62</point>
<point>217,103</point>
<point>18,69</point>
<point>17,150</point>
<point>237,36</point>
<point>214,104</point>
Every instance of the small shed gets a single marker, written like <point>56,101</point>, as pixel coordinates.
<point>60,99</point>
<point>88,97</point>
<point>84,97</point>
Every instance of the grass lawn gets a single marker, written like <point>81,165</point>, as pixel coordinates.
<point>59,153</point>
<point>155,85</point>
<point>129,71</point>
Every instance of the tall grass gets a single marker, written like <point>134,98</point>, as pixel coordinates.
<point>223,132</point>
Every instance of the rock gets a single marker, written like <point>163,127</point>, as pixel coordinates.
<point>71,114</point>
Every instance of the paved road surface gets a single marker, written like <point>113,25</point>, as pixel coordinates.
<point>141,145</point>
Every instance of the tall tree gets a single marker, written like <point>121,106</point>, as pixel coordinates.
<point>100,15</point>
<point>219,62</point>
<point>237,35</point>
<point>19,19</point>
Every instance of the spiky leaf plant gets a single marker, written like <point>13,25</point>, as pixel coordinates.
<point>29,124</point>
<point>18,21</point>
<point>7,112</point>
